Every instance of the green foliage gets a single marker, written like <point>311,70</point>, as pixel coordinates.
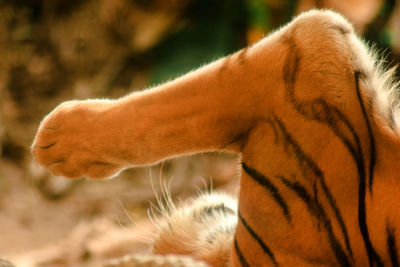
<point>214,28</point>
<point>190,48</point>
<point>258,14</point>
<point>376,31</point>
<point>385,38</point>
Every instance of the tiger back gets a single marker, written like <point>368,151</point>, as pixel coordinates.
<point>312,161</point>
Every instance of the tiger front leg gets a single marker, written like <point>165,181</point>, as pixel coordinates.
<point>201,111</point>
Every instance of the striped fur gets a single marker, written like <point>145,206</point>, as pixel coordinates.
<point>315,119</point>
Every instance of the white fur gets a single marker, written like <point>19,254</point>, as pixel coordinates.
<point>197,229</point>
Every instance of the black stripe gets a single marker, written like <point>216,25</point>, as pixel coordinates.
<point>225,64</point>
<point>372,152</point>
<point>314,110</point>
<point>242,56</point>
<point>241,258</point>
<point>271,188</point>
<point>316,209</point>
<point>274,130</point>
<point>305,161</point>
<point>362,214</point>
<point>391,246</point>
<point>321,111</point>
<point>253,234</point>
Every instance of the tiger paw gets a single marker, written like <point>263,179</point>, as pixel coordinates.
<point>72,141</point>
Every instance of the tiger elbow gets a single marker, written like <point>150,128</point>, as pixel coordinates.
<point>320,26</point>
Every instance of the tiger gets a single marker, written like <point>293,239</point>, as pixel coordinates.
<point>314,116</point>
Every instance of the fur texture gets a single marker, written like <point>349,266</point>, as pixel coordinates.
<point>316,121</point>
<point>203,228</point>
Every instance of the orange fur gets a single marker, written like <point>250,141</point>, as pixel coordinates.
<point>307,109</point>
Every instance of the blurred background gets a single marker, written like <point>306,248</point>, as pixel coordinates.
<point>57,50</point>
